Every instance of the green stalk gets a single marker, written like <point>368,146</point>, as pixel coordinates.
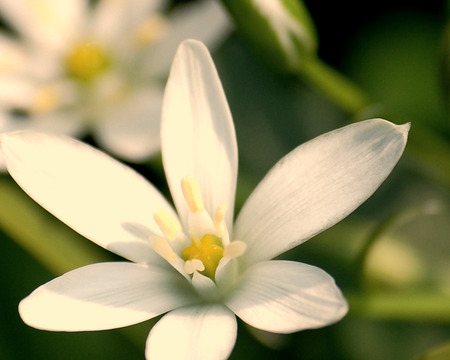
<point>414,306</point>
<point>336,87</point>
<point>51,242</point>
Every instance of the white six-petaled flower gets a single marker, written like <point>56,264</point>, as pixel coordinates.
<point>78,67</point>
<point>193,263</point>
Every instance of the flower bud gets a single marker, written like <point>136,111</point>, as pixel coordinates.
<point>281,31</point>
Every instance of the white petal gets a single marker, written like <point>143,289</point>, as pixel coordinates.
<point>132,128</point>
<point>49,23</point>
<point>115,19</point>
<point>286,296</point>
<point>204,332</point>
<point>206,21</point>
<point>316,185</point>
<point>14,57</point>
<point>197,131</point>
<point>97,196</point>
<point>104,296</point>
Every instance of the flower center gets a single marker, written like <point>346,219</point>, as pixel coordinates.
<point>208,246</point>
<point>209,250</point>
<point>87,61</point>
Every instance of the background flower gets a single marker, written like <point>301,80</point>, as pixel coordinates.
<point>77,67</point>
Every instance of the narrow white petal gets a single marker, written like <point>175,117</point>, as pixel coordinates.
<point>49,23</point>
<point>316,185</point>
<point>197,131</point>
<point>205,20</point>
<point>94,194</point>
<point>287,296</point>
<point>203,332</point>
<point>104,296</point>
<point>131,129</point>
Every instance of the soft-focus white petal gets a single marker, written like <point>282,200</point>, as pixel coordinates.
<point>113,19</point>
<point>104,296</point>
<point>197,131</point>
<point>94,194</point>
<point>13,55</point>
<point>131,129</point>
<point>203,332</point>
<point>316,185</point>
<point>205,20</point>
<point>287,296</point>
<point>49,23</point>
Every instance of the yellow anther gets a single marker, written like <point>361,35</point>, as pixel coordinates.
<point>86,61</point>
<point>168,224</point>
<point>45,100</point>
<point>234,249</point>
<point>163,249</point>
<point>193,265</point>
<point>192,194</point>
<point>208,250</point>
<point>150,30</point>
<point>219,220</point>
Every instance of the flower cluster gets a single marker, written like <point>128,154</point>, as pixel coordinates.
<point>193,263</point>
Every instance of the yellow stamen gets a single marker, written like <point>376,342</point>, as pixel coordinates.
<point>209,250</point>
<point>192,194</point>
<point>45,100</point>
<point>86,61</point>
<point>168,224</point>
<point>193,265</point>
<point>150,30</point>
<point>163,249</point>
<point>234,249</point>
<point>219,220</point>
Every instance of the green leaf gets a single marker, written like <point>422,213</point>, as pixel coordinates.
<point>441,352</point>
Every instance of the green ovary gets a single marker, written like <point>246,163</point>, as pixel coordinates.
<point>86,61</point>
<point>209,250</point>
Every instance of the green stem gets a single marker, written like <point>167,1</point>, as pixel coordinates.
<point>51,242</point>
<point>334,85</point>
<point>415,306</point>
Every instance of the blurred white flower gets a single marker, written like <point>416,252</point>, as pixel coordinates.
<point>78,68</point>
<point>193,263</point>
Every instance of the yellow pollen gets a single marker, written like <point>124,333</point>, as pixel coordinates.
<point>168,224</point>
<point>209,250</point>
<point>86,61</point>
<point>192,194</point>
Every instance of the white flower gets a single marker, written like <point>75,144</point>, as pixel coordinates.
<point>100,68</point>
<point>193,263</point>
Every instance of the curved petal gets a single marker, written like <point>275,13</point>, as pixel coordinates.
<point>92,193</point>
<point>49,23</point>
<point>203,332</point>
<point>132,129</point>
<point>197,131</point>
<point>206,21</point>
<point>317,185</point>
<point>104,296</point>
<point>287,296</point>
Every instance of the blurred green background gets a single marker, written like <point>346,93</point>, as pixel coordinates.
<point>391,257</point>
